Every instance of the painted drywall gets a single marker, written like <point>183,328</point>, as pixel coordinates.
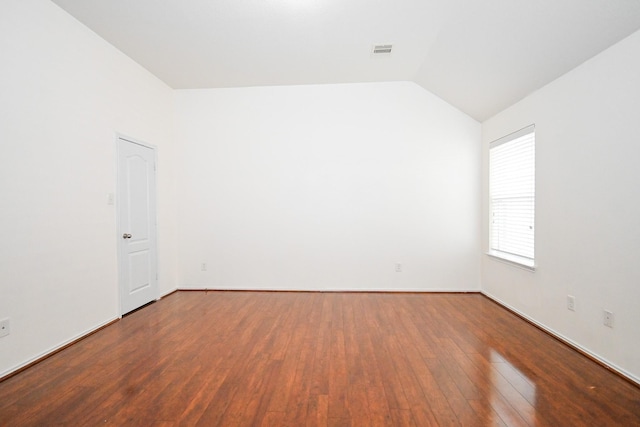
<point>64,94</point>
<point>587,206</point>
<point>327,188</point>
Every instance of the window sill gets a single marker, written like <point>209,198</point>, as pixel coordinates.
<point>515,260</point>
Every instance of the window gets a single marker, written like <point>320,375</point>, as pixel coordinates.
<point>512,197</point>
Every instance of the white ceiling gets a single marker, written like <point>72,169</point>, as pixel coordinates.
<point>479,55</point>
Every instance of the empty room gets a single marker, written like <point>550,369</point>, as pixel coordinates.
<point>319,212</point>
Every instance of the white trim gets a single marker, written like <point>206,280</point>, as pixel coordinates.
<point>284,289</point>
<point>167,293</point>
<point>617,369</point>
<point>56,348</point>
<point>513,135</point>
<point>135,141</point>
<point>514,260</point>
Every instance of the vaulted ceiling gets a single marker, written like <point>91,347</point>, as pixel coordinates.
<point>479,55</point>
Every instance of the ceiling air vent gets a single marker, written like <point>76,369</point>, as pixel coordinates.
<point>382,49</point>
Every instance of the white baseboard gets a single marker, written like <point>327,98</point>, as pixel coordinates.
<point>55,348</point>
<point>545,328</point>
<point>167,293</point>
<point>612,366</point>
<point>284,289</point>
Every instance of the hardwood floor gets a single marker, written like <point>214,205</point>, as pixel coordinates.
<point>319,359</point>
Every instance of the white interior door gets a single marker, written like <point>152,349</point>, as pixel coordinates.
<point>136,224</point>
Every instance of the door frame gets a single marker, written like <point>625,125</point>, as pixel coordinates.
<point>120,253</point>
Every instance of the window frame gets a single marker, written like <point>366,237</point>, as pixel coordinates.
<point>519,260</point>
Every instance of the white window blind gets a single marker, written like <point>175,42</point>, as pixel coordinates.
<point>512,197</point>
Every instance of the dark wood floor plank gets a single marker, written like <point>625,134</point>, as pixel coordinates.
<point>338,377</point>
<point>486,415</point>
<point>201,396</point>
<point>320,371</point>
<point>420,404</point>
<point>297,406</point>
<point>390,380</point>
<point>292,330</point>
<point>317,410</point>
<point>402,418</point>
<point>458,403</point>
<point>437,402</point>
<point>319,359</point>
<point>272,419</point>
<point>375,390</point>
<point>470,388</point>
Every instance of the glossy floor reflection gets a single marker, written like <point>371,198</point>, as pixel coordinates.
<point>319,359</point>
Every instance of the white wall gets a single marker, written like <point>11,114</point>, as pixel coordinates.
<point>587,206</point>
<point>64,92</point>
<point>307,187</point>
<point>326,188</point>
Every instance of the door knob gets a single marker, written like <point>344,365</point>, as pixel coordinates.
<point>126,236</point>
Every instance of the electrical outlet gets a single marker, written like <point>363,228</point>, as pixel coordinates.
<point>4,328</point>
<point>398,267</point>
<point>203,266</point>
<point>571,302</point>
<point>608,318</point>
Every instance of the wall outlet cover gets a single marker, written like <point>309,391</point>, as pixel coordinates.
<point>608,318</point>
<point>4,327</point>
